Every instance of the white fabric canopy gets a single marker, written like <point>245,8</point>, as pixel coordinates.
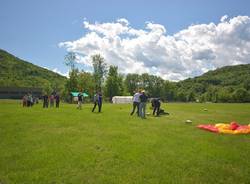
<point>122,99</point>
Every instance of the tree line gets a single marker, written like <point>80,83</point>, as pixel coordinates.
<point>112,83</point>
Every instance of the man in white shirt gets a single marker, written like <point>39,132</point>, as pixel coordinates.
<point>136,103</point>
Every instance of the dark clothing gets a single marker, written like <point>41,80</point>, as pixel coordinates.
<point>57,101</point>
<point>80,97</point>
<point>99,107</point>
<point>157,109</point>
<point>143,97</point>
<point>45,101</point>
<point>135,105</point>
<point>95,103</point>
<point>142,106</point>
<point>99,103</point>
<point>95,100</point>
<point>156,104</point>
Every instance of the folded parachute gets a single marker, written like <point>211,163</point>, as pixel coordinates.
<point>232,128</point>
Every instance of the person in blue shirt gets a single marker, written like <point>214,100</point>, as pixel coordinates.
<point>99,102</point>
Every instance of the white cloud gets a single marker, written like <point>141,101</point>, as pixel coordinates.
<point>224,18</point>
<point>189,52</point>
<point>56,70</point>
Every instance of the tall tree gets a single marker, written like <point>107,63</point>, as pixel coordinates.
<point>241,95</point>
<point>100,70</point>
<point>72,82</point>
<point>86,82</point>
<point>132,83</point>
<point>113,83</point>
<point>70,60</point>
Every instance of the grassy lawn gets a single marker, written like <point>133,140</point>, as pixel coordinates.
<point>67,145</point>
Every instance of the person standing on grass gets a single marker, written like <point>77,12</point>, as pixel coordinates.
<point>80,99</point>
<point>45,101</point>
<point>142,106</point>
<point>28,100</point>
<point>99,102</point>
<point>31,100</point>
<point>95,100</point>
<point>57,97</point>
<point>51,100</point>
<point>25,101</point>
<point>136,103</point>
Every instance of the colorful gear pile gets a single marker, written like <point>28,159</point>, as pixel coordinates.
<point>231,128</point>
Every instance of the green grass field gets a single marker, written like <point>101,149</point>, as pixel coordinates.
<point>67,145</point>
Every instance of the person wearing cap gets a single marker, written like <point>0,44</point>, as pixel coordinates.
<point>142,107</point>
<point>136,103</point>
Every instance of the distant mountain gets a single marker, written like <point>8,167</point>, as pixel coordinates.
<point>221,85</point>
<point>15,72</point>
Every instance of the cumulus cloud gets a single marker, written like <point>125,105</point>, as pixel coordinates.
<point>56,70</point>
<point>187,53</point>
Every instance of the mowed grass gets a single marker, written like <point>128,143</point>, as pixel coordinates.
<point>67,145</point>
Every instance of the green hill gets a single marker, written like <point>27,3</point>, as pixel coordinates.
<point>226,84</point>
<point>15,72</point>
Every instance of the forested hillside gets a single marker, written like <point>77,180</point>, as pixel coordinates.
<point>226,84</point>
<point>15,72</point>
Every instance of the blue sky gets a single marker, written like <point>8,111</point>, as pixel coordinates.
<point>33,29</point>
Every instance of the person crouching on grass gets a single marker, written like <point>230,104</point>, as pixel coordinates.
<point>156,104</point>
<point>80,99</point>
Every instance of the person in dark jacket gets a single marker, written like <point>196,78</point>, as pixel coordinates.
<point>156,104</point>
<point>45,101</point>
<point>57,97</point>
<point>142,106</point>
<point>99,102</point>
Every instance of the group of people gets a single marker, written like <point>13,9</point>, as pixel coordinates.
<point>97,99</point>
<point>29,100</point>
<point>139,102</point>
<point>51,100</point>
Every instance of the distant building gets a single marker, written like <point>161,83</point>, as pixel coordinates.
<point>18,93</point>
<point>122,99</point>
